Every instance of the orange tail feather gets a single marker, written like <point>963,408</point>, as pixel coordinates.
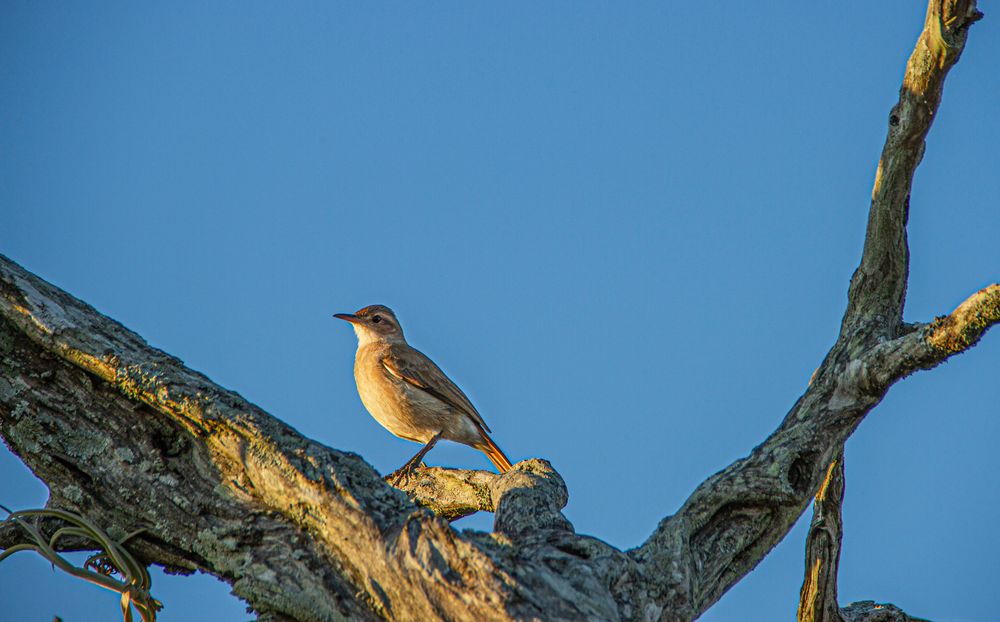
<point>495,454</point>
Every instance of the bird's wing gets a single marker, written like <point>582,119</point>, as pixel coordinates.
<point>411,366</point>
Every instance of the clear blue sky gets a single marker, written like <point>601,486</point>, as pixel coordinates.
<point>625,230</point>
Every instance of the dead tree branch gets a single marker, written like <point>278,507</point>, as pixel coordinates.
<point>818,598</point>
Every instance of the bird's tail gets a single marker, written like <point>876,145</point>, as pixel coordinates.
<point>495,454</point>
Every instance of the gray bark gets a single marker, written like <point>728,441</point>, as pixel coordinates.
<point>128,436</point>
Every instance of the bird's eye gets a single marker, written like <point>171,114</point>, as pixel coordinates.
<point>376,319</point>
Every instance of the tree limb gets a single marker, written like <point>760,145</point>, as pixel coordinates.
<point>450,493</point>
<point>925,346</point>
<point>738,515</point>
<point>129,437</point>
<point>818,598</point>
<point>878,286</point>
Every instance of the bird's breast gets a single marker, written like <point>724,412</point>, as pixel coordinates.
<point>400,408</point>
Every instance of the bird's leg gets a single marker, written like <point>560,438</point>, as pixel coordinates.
<point>414,461</point>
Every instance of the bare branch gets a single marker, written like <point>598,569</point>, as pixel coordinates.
<point>526,500</point>
<point>734,518</point>
<point>450,493</point>
<point>738,515</point>
<point>878,287</point>
<point>963,327</point>
<point>927,345</point>
<point>818,598</point>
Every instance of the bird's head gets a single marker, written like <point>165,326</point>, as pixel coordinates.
<point>374,323</point>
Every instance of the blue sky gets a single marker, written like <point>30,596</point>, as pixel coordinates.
<point>625,230</point>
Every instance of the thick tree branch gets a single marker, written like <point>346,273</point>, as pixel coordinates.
<point>921,348</point>
<point>734,518</point>
<point>127,436</point>
<point>738,515</point>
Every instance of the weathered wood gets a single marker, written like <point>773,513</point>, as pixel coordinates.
<point>129,437</point>
<point>878,287</point>
<point>818,597</point>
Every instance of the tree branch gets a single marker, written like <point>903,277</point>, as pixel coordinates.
<point>525,501</point>
<point>921,348</point>
<point>129,437</point>
<point>738,515</point>
<point>818,598</point>
<point>450,493</point>
<point>925,346</point>
<point>878,287</point>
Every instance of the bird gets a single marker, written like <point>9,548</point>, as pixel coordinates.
<point>409,395</point>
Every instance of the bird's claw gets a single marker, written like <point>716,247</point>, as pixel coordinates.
<point>403,473</point>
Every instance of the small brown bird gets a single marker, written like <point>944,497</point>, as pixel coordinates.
<point>410,395</point>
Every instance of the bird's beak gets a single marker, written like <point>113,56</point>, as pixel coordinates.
<point>348,317</point>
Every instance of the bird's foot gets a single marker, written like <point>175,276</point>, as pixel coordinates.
<point>403,473</point>
<point>396,477</point>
